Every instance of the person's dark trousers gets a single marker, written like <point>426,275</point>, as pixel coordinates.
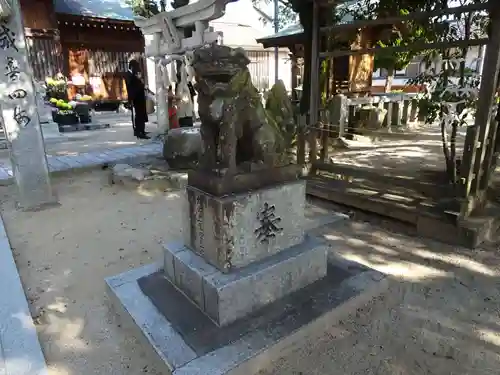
<point>132,113</point>
<point>186,122</point>
<point>139,125</point>
<point>140,119</point>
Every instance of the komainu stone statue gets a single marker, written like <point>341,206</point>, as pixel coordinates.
<point>280,110</point>
<point>239,135</point>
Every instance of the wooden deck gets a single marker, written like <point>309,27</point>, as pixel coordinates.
<point>421,204</point>
<point>398,202</point>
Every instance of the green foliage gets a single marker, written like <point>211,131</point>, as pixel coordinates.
<point>56,87</point>
<point>455,84</point>
<point>144,8</point>
<point>61,104</point>
<point>280,109</point>
<point>286,15</point>
<point>398,60</point>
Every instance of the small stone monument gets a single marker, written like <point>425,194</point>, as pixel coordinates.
<point>50,129</point>
<point>20,117</point>
<point>44,112</point>
<point>248,280</point>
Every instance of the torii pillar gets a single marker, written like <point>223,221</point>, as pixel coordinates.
<point>164,35</point>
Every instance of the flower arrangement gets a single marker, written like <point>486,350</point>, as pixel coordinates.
<point>62,105</point>
<point>56,87</point>
<point>83,98</point>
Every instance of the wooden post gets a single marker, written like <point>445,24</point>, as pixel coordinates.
<point>20,117</point>
<point>351,118</point>
<point>295,73</point>
<point>313,143</point>
<point>414,111</point>
<point>301,141</point>
<point>314,94</point>
<point>406,112</point>
<point>483,114</point>
<point>325,135</point>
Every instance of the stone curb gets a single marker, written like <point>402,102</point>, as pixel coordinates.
<point>20,351</point>
<point>59,165</point>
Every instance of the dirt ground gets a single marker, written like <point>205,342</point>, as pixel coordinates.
<point>440,316</point>
<point>63,255</point>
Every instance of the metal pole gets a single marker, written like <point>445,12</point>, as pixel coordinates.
<point>276,49</point>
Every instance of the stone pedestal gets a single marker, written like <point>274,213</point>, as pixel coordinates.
<point>397,113</point>
<point>201,317</point>
<point>406,112</point>
<point>226,298</point>
<point>235,230</point>
<point>244,251</point>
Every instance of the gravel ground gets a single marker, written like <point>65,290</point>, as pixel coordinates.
<point>440,315</point>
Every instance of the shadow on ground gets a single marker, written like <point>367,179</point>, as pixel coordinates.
<point>441,314</point>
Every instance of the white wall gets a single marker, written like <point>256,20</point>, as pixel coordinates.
<point>470,61</point>
<point>284,68</point>
<point>243,12</point>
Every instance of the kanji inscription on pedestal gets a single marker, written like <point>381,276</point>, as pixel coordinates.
<point>268,223</point>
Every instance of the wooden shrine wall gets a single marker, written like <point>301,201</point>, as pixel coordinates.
<point>99,51</point>
<point>38,14</point>
<point>42,38</point>
<point>361,66</point>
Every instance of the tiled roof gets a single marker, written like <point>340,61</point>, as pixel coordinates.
<point>288,31</point>
<point>112,9</point>
<point>297,29</point>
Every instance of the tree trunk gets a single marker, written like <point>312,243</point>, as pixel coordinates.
<point>388,80</point>
<point>453,173</point>
<point>449,156</point>
<point>453,153</point>
<point>450,166</point>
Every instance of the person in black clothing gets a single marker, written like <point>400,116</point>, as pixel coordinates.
<point>137,98</point>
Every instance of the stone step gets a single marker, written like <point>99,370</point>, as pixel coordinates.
<point>81,127</point>
<point>226,298</point>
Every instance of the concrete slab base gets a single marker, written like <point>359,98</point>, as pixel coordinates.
<point>184,341</point>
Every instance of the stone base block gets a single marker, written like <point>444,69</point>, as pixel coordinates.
<point>184,341</point>
<point>229,297</point>
<point>219,185</point>
<point>233,231</point>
